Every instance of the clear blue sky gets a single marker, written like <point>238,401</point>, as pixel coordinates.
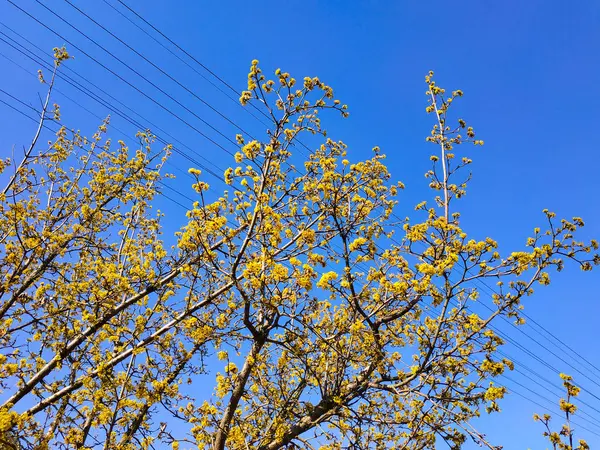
<point>531,76</point>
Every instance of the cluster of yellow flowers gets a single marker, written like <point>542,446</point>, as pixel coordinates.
<point>324,307</point>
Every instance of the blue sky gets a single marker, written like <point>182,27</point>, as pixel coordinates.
<point>529,70</point>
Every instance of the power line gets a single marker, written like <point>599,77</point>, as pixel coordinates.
<point>528,351</point>
<point>580,357</point>
<point>537,357</point>
<point>161,183</point>
<point>181,49</point>
<point>112,107</point>
<point>18,110</point>
<point>8,94</point>
<point>149,97</point>
<point>99,100</point>
<point>545,348</point>
<point>534,356</point>
<point>121,78</point>
<point>136,72</point>
<point>593,421</point>
<point>595,433</point>
<point>139,126</point>
<point>78,104</point>
<point>531,353</point>
<point>85,91</point>
<point>519,364</point>
<point>537,383</point>
<point>157,68</point>
<point>234,100</point>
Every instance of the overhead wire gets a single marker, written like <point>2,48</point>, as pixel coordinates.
<point>529,352</point>
<point>533,355</point>
<point>592,422</point>
<point>161,70</point>
<point>522,331</point>
<point>540,344</point>
<point>138,74</point>
<point>553,411</point>
<point>189,55</point>
<point>579,400</point>
<point>208,80</point>
<point>146,95</point>
<point>536,357</point>
<point>85,91</point>
<point>52,130</point>
<point>519,364</point>
<point>78,104</point>
<point>112,108</point>
<point>181,49</point>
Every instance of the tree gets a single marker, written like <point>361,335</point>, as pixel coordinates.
<point>337,324</point>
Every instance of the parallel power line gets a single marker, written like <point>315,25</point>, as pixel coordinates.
<point>110,105</point>
<point>149,97</point>
<point>551,410</point>
<point>162,71</point>
<point>185,52</point>
<point>227,85</point>
<point>53,130</point>
<point>576,356</point>
<point>191,67</point>
<point>593,420</point>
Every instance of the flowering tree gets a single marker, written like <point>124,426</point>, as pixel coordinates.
<point>336,324</point>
